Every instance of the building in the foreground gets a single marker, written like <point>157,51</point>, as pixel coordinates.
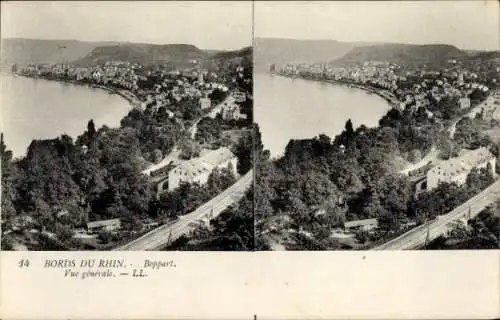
<point>103,225</point>
<point>232,112</point>
<point>361,225</point>
<point>456,169</point>
<point>198,169</point>
<point>464,103</point>
<point>239,96</point>
<point>205,103</point>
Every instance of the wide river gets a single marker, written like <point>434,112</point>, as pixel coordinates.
<point>287,108</point>
<point>41,109</point>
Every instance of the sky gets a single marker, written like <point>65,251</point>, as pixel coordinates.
<point>472,25</point>
<point>207,25</point>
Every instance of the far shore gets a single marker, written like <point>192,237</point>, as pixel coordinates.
<point>128,95</point>
<point>393,101</point>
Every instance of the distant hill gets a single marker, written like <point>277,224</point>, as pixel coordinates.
<point>402,53</point>
<point>26,51</point>
<point>481,56</point>
<point>246,51</point>
<point>280,51</point>
<point>144,54</point>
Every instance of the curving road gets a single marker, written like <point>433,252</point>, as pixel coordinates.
<point>431,156</point>
<point>471,114</point>
<point>162,236</point>
<point>417,237</point>
<point>174,154</point>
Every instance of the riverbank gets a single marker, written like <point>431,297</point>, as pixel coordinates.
<point>128,95</point>
<point>59,107</point>
<point>384,94</point>
<point>288,109</point>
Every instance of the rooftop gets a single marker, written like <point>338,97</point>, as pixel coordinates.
<point>102,223</point>
<point>360,223</point>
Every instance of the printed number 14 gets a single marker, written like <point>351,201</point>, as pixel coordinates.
<point>24,263</point>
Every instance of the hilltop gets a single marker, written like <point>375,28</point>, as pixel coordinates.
<point>35,51</point>
<point>402,53</point>
<point>143,54</point>
<point>279,51</point>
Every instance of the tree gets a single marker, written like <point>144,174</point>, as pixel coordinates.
<point>189,149</point>
<point>217,96</point>
<point>394,192</point>
<point>438,201</point>
<point>8,177</point>
<point>157,155</point>
<point>414,155</point>
<point>183,199</point>
<point>479,179</point>
<point>105,237</point>
<point>388,222</point>
<point>245,153</point>
<point>63,232</point>
<point>391,119</point>
<point>91,130</point>
<point>346,175</point>
<point>317,189</point>
<point>349,132</point>
<point>220,179</point>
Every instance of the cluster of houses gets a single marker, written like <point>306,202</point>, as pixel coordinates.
<point>113,73</point>
<point>163,88</point>
<point>171,91</point>
<point>231,108</point>
<point>490,108</point>
<point>168,87</point>
<point>411,87</point>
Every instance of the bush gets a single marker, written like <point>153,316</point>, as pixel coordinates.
<point>105,237</point>
<point>63,232</point>
<point>414,155</point>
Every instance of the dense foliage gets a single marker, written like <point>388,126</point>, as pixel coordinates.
<point>232,230</point>
<point>320,183</point>
<point>481,232</point>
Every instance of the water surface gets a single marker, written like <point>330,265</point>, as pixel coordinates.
<point>41,109</point>
<point>287,108</point>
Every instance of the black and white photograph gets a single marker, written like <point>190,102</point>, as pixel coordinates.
<point>249,159</point>
<point>379,125</point>
<point>127,126</point>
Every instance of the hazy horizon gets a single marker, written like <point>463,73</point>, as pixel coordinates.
<point>467,25</point>
<point>372,42</point>
<point>123,42</point>
<point>206,25</point>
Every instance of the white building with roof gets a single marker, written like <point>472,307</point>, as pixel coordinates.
<point>464,103</point>
<point>205,103</point>
<point>199,169</point>
<point>457,169</point>
<point>363,225</point>
<point>231,111</point>
<point>103,225</point>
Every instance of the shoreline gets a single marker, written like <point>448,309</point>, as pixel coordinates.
<point>127,95</point>
<point>132,100</point>
<point>391,100</point>
<point>277,146</point>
